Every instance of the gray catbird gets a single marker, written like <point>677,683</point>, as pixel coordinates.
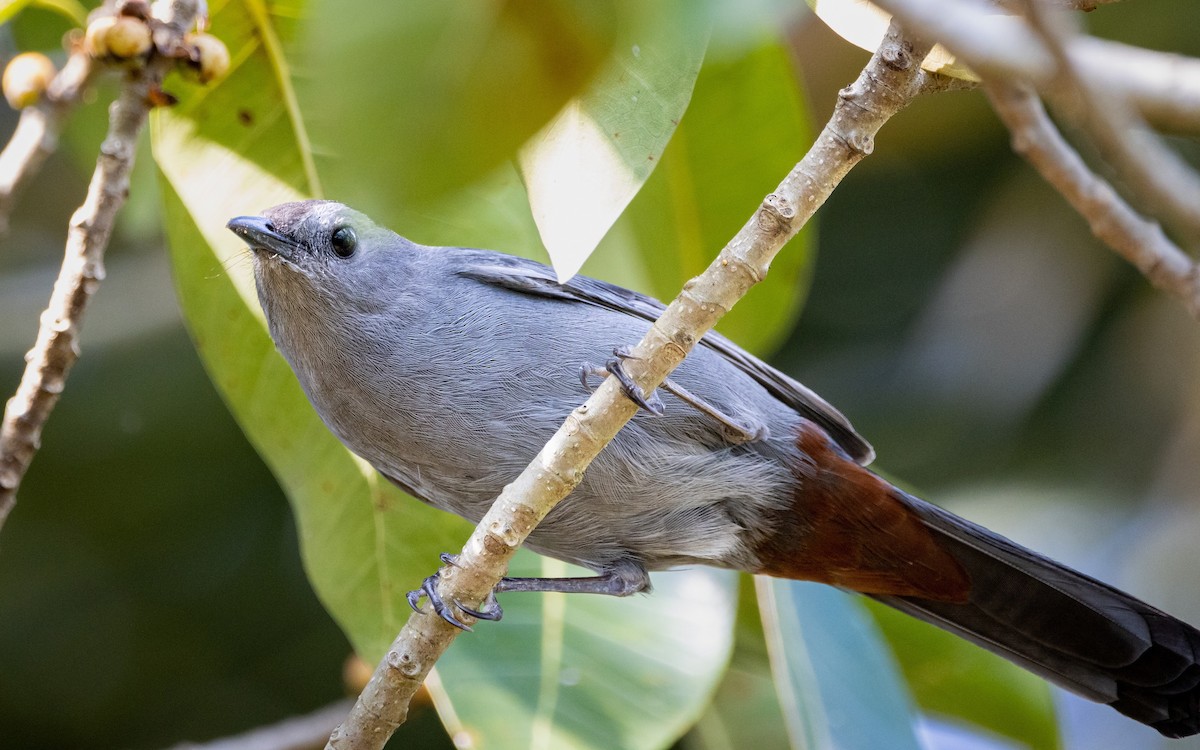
<point>448,368</point>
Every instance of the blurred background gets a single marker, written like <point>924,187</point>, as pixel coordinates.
<point>1003,363</point>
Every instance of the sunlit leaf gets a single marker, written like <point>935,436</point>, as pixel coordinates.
<point>71,10</point>
<point>708,185</point>
<point>838,684</point>
<point>863,25</point>
<point>584,167</point>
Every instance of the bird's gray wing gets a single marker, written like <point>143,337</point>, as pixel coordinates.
<point>529,277</point>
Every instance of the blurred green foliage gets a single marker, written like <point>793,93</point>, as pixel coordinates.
<point>150,583</point>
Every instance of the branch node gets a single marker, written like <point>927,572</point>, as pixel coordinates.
<point>775,215</point>
<point>402,662</point>
<point>897,55</point>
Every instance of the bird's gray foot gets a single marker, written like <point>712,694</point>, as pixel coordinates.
<point>738,431</point>
<point>650,402</point>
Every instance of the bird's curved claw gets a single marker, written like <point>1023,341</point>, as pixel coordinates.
<point>440,607</point>
<point>490,609</point>
<point>651,402</point>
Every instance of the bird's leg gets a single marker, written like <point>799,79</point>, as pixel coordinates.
<point>651,403</point>
<point>624,579</point>
<point>737,431</point>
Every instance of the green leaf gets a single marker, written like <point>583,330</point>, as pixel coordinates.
<point>36,26</point>
<point>411,101</point>
<point>709,184</point>
<point>10,8</point>
<point>954,678</point>
<point>837,681</point>
<point>234,149</point>
<point>591,672</point>
<point>745,712</point>
<point>584,167</point>
<point>71,10</point>
<point>239,147</point>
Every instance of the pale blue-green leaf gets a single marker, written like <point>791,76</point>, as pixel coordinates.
<point>745,712</point>
<point>584,167</point>
<point>590,671</point>
<point>838,684</point>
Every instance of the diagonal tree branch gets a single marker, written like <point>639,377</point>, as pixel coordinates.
<point>1154,174</point>
<point>1139,241</point>
<point>57,346</point>
<point>891,80</point>
<point>1165,87</point>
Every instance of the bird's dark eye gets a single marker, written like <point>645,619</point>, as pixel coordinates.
<point>343,241</point>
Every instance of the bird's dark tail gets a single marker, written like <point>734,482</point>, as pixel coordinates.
<point>1071,629</point>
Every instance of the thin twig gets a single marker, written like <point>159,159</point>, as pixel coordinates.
<point>1139,241</point>
<point>1155,175</point>
<point>1165,87</point>
<point>36,134</point>
<point>305,732</point>
<point>888,83</point>
<point>57,346</point>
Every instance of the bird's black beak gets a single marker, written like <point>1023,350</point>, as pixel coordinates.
<point>260,234</point>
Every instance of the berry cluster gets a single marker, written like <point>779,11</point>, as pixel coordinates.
<point>125,37</point>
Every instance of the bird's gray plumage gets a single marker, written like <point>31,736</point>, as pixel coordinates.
<point>448,369</point>
<point>407,340</point>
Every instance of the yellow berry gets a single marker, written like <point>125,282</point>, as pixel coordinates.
<point>128,37</point>
<point>26,77</point>
<point>210,57</point>
<point>95,41</point>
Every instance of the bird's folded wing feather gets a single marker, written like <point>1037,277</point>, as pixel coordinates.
<point>530,277</point>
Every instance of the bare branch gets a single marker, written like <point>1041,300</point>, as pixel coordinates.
<point>1164,87</point>
<point>888,83</point>
<point>1139,241</point>
<point>305,732</point>
<point>1154,173</point>
<point>36,135</point>
<point>57,346</point>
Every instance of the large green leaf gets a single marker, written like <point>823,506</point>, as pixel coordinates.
<point>584,167</point>
<point>568,670</point>
<point>745,712</point>
<point>410,101</point>
<point>235,149</point>
<point>601,673</point>
<point>72,11</point>
<point>745,128</point>
<point>837,682</point>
